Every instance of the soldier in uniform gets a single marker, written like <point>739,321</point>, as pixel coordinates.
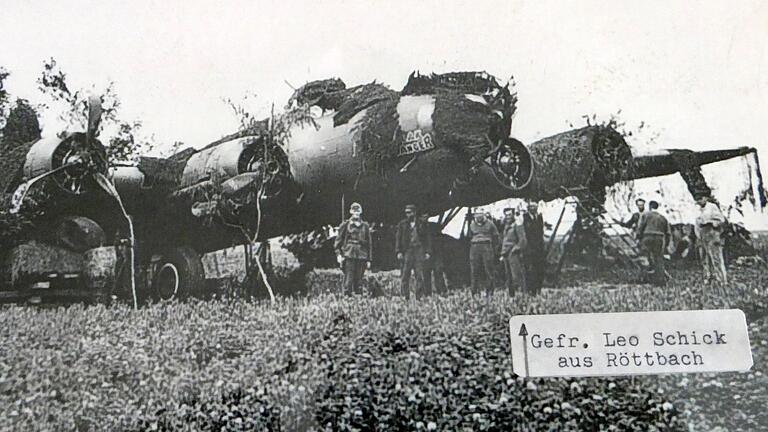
<point>513,244</point>
<point>413,244</point>
<point>484,241</point>
<point>354,249</point>
<point>654,234</point>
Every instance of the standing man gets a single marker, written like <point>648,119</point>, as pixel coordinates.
<point>484,241</point>
<point>434,268</point>
<point>512,246</point>
<point>709,230</point>
<point>654,234</point>
<point>534,256</point>
<point>509,220</point>
<point>634,220</point>
<point>354,249</point>
<point>413,245</point>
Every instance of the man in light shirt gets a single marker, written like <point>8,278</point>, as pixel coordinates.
<point>709,231</point>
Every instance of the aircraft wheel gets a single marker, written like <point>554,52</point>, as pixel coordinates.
<point>179,275</point>
<point>79,233</point>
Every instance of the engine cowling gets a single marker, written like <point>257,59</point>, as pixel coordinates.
<point>82,159</point>
<point>553,167</point>
<point>222,161</point>
<point>592,157</point>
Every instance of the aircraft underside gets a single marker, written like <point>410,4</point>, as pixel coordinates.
<point>441,142</point>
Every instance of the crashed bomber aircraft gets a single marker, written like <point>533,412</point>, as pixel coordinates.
<point>442,142</point>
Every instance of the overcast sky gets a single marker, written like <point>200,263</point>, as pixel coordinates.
<point>695,72</point>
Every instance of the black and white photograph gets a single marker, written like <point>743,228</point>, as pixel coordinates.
<point>502,215</point>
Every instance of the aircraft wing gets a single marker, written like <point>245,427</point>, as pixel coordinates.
<point>669,161</point>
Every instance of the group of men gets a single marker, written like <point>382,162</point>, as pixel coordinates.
<point>653,232</point>
<point>520,247</point>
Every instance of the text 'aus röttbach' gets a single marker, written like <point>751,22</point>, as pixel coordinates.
<point>630,343</point>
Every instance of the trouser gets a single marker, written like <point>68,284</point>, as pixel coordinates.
<point>653,245</point>
<point>515,273</point>
<point>434,270</point>
<point>712,260</point>
<point>481,262</point>
<point>353,275</point>
<point>534,270</point>
<point>413,262</point>
<point>509,279</point>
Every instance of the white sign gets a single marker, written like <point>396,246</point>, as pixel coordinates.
<point>630,343</point>
<point>416,141</point>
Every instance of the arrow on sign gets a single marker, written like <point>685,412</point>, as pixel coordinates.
<point>524,333</point>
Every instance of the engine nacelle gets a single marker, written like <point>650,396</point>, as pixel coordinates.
<point>222,161</point>
<point>49,154</point>
<point>130,182</point>
<point>554,167</point>
<point>591,157</point>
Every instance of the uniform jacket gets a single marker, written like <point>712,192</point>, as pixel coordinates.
<point>653,223</point>
<point>403,236</point>
<point>514,240</point>
<point>354,240</point>
<point>485,233</point>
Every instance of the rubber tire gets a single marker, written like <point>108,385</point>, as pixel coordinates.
<point>181,267</point>
<point>79,233</point>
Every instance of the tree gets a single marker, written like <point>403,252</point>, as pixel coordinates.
<point>4,74</point>
<point>17,125</point>
<point>4,98</point>
<point>125,140</point>
<point>21,125</point>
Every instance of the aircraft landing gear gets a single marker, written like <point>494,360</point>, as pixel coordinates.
<point>178,275</point>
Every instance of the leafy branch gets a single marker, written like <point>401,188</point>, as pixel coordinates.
<point>125,140</point>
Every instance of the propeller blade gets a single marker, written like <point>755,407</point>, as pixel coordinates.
<point>21,192</point>
<point>105,184</point>
<point>239,182</point>
<point>94,118</point>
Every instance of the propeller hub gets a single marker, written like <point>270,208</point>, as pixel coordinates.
<point>79,159</point>
<point>512,164</point>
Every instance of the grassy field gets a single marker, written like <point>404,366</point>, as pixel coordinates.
<point>760,240</point>
<point>334,363</point>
